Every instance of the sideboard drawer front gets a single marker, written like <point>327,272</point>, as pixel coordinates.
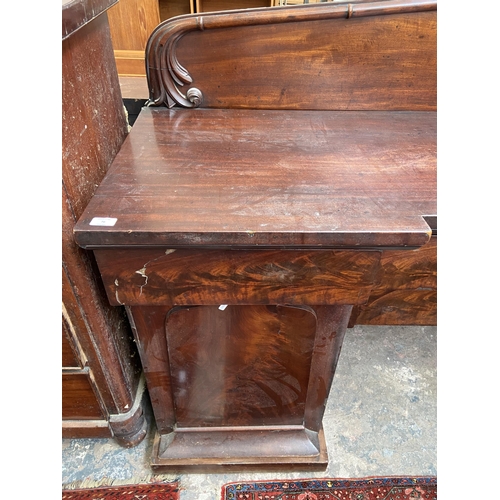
<point>160,276</point>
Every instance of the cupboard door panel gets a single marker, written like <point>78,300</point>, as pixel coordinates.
<point>243,365</point>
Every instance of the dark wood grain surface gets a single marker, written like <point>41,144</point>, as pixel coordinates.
<point>332,324</point>
<point>336,55</point>
<point>367,63</point>
<point>243,365</point>
<point>269,178</point>
<point>405,289</point>
<point>79,13</point>
<point>162,276</point>
<point>244,386</point>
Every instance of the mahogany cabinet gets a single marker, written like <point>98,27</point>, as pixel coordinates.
<point>279,186</point>
<point>102,382</point>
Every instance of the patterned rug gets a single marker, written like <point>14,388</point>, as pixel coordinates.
<point>149,491</point>
<point>372,488</point>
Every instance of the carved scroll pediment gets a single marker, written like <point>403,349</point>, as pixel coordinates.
<point>167,77</point>
<point>164,72</point>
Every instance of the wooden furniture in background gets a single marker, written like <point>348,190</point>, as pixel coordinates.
<point>282,3</point>
<point>102,387</point>
<point>131,22</point>
<point>282,177</point>
<point>218,5</point>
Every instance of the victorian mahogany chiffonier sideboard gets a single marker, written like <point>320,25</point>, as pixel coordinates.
<point>282,176</point>
<point>102,388</point>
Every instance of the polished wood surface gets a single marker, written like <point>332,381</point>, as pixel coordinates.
<point>245,365</point>
<point>405,290</point>
<point>243,236</point>
<point>337,56</point>
<point>188,277</point>
<point>93,129</point>
<point>364,70</point>
<point>257,376</point>
<point>78,13</point>
<point>93,121</point>
<point>238,179</point>
<point>148,324</point>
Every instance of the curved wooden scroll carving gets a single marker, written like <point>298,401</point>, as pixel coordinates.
<point>166,75</point>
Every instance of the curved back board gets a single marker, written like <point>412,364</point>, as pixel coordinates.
<point>362,55</point>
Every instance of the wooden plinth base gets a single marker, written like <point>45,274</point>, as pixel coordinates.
<point>211,450</point>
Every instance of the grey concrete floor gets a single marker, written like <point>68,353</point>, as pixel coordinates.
<point>380,420</point>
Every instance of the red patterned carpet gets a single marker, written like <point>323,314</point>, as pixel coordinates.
<point>373,488</point>
<point>152,491</point>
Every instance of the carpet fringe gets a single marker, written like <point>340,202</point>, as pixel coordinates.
<point>88,483</point>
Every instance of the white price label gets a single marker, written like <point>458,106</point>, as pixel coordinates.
<point>103,221</point>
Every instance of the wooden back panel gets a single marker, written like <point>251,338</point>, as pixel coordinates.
<point>368,55</point>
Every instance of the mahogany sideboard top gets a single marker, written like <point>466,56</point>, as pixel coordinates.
<point>268,178</point>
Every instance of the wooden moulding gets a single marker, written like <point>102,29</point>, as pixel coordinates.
<point>78,13</point>
<point>167,73</point>
<point>233,448</point>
